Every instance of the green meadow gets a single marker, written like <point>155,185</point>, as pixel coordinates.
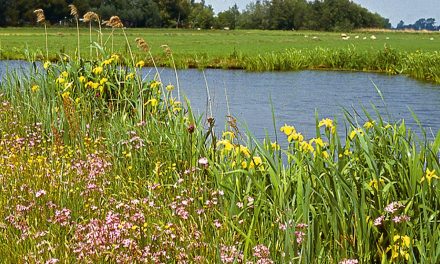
<point>410,53</point>
<point>212,43</point>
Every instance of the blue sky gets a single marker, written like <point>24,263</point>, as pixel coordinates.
<point>396,10</point>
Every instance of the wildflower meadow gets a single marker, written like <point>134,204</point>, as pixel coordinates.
<point>99,164</point>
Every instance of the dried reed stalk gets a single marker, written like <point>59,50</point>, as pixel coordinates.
<point>74,13</point>
<point>89,17</point>
<point>42,19</point>
<point>142,44</point>
<point>115,22</point>
<point>40,15</point>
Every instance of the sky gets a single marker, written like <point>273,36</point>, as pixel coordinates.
<point>407,10</point>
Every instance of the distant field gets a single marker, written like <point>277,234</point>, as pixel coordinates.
<point>410,53</point>
<point>211,43</point>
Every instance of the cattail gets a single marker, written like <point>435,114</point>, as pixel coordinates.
<point>73,11</point>
<point>167,49</point>
<point>40,15</point>
<point>114,22</point>
<point>142,44</point>
<point>90,16</point>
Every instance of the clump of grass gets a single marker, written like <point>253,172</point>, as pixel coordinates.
<point>418,65</point>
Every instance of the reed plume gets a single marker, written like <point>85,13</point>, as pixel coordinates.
<point>89,17</point>
<point>74,13</point>
<point>40,15</point>
<point>115,22</point>
<point>142,44</point>
<point>42,19</point>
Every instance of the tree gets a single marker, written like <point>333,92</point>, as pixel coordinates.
<point>228,18</point>
<point>401,25</point>
<point>256,16</point>
<point>263,14</point>
<point>201,16</point>
<point>174,13</point>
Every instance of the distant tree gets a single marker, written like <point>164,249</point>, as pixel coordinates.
<point>339,15</point>
<point>201,16</point>
<point>420,24</point>
<point>228,18</point>
<point>255,16</point>
<point>174,13</point>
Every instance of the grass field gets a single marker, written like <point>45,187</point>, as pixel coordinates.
<point>411,53</point>
<point>213,44</point>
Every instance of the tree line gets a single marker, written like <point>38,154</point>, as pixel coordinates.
<point>421,24</point>
<point>329,15</point>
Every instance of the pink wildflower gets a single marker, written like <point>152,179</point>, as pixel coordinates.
<point>401,219</point>
<point>299,237</point>
<point>203,162</point>
<point>62,216</point>
<point>230,254</point>
<point>217,223</point>
<point>40,193</point>
<point>301,226</point>
<point>393,207</point>
<point>379,221</point>
<point>349,261</point>
<point>261,251</point>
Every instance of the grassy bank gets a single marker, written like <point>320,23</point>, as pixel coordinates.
<point>98,165</point>
<point>410,53</point>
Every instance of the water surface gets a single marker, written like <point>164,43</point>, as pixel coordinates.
<point>296,96</point>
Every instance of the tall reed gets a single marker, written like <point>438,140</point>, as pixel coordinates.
<point>89,17</point>
<point>115,22</point>
<point>74,13</point>
<point>42,19</point>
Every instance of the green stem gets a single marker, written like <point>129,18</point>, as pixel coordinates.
<point>77,30</point>
<point>90,38</point>
<point>129,47</point>
<point>47,46</point>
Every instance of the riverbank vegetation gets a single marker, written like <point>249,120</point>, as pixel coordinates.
<point>101,164</point>
<point>411,53</point>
